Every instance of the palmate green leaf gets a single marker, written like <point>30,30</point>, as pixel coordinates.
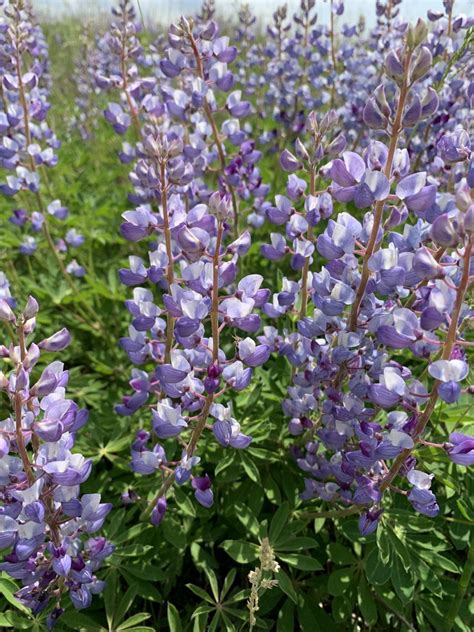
<point>174,620</point>
<point>242,552</point>
<point>5,621</point>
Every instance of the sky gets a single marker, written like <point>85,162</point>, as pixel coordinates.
<point>166,10</point>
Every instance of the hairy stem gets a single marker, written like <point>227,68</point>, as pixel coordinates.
<point>304,276</point>
<point>372,245</point>
<point>447,350</point>
<point>202,419</point>
<point>215,134</point>
<point>169,253</point>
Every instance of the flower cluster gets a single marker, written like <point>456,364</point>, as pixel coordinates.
<point>28,146</point>
<point>47,528</point>
<point>381,291</point>
<point>192,325</point>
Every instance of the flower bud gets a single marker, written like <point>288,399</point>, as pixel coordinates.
<point>31,308</point>
<point>421,64</point>
<point>381,99</point>
<point>412,114</point>
<point>288,162</point>
<point>159,511</point>
<point>430,103</point>
<point>337,146</point>
<point>445,230</point>
<point>301,150</point>
<point>328,121</point>
<point>57,342</point>
<point>393,66</point>
<point>373,117</point>
<point>426,266</point>
<point>6,312</point>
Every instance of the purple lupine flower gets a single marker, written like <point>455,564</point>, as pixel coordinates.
<point>45,519</point>
<point>203,492</point>
<point>460,448</point>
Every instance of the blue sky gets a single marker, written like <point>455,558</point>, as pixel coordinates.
<point>166,10</point>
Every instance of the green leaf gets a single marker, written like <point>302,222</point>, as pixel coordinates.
<point>383,544</point>
<point>376,571</point>
<point>340,554</point>
<point>125,604</point>
<point>399,547</point>
<point>110,597</point>
<point>285,620</point>
<point>402,581</point>
<point>250,468</point>
<point>367,605</point>
<point>301,562</point>
<point>174,534</point>
<point>340,580</point>
<point>148,573</point>
<point>241,552</point>
<point>185,503</point>
<point>132,533</point>
<point>132,621</point>
<point>286,585</point>
<point>295,543</point>
<point>247,518</point>
<point>200,592</point>
<point>228,581</point>
<point>279,521</point>
<point>211,576</point>
<point>436,559</point>
<point>174,620</point>
<point>7,589</point>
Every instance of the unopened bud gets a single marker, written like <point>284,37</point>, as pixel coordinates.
<point>421,64</point>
